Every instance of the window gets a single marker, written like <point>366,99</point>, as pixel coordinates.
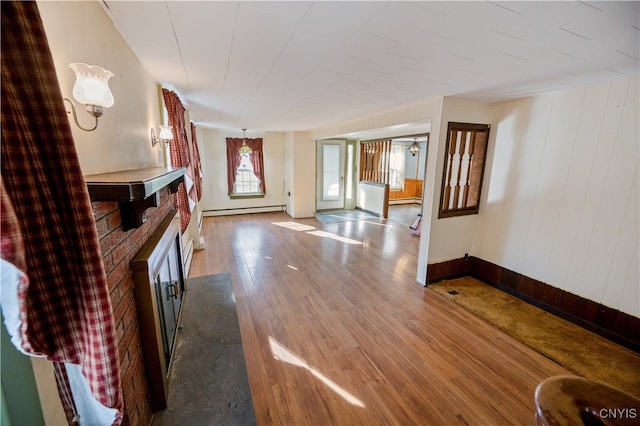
<point>464,160</point>
<point>397,165</point>
<point>246,180</point>
<point>245,168</point>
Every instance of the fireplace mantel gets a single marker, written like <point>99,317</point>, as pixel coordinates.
<point>135,190</point>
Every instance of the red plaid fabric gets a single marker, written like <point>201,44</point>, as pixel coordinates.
<point>11,244</point>
<point>68,311</point>
<point>12,250</point>
<point>179,151</point>
<point>197,165</point>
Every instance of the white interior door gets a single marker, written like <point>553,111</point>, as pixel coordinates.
<point>330,175</point>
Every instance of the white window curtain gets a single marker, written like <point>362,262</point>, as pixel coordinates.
<point>396,166</point>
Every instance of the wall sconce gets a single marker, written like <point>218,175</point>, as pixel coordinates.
<point>414,148</point>
<point>166,136</point>
<point>92,90</point>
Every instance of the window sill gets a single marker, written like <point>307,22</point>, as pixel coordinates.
<point>247,195</point>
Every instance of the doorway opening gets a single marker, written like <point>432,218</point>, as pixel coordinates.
<point>393,167</point>
<point>391,173</point>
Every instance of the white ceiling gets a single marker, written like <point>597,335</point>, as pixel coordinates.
<point>297,65</point>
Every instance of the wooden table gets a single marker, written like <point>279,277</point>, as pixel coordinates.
<point>572,400</point>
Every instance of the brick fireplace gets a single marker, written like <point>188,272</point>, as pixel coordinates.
<point>118,249</point>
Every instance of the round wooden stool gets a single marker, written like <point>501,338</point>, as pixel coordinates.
<point>572,400</point>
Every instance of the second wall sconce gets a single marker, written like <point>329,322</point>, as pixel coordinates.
<point>92,90</point>
<point>166,136</point>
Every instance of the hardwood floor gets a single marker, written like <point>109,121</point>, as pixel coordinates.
<point>404,214</point>
<point>336,331</point>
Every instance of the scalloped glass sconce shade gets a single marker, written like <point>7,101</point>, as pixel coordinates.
<point>166,133</point>
<point>92,85</point>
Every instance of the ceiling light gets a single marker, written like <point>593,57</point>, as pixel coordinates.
<point>414,148</point>
<point>244,149</point>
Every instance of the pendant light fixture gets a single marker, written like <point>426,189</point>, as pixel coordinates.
<point>244,149</point>
<point>414,148</point>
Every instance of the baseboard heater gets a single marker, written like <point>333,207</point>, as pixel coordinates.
<point>244,210</point>
<point>398,201</point>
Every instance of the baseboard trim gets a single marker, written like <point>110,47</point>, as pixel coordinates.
<point>607,322</point>
<point>187,255</point>
<point>448,270</point>
<point>368,211</point>
<point>244,210</point>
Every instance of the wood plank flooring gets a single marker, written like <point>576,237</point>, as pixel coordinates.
<point>404,214</point>
<point>336,331</point>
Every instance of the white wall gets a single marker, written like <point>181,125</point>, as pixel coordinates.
<point>300,163</point>
<point>414,164</point>
<point>289,154</point>
<point>560,197</point>
<point>451,237</point>
<point>419,113</point>
<point>213,154</point>
<point>370,197</point>
<point>82,32</point>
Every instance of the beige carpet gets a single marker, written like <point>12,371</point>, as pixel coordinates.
<point>578,350</point>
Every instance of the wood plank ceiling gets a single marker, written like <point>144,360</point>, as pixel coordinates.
<point>297,65</point>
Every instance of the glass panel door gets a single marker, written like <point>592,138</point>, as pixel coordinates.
<point>330,176</point>
<point>330,172</point>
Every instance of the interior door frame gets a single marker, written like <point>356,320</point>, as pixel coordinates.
<point>351,174</point>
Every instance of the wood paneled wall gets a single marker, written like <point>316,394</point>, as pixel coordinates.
<point>560,203</point>
<point>374,161</point>
<point>412,189</point>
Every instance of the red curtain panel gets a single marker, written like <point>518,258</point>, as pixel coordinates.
<point>197,165</point>
<point>67,312</point>
<point>179,152</point>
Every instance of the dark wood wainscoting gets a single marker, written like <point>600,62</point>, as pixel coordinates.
<point>609,323</point>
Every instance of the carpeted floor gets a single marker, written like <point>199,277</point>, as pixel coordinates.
<point>208,383</point>
<point>578,350</point>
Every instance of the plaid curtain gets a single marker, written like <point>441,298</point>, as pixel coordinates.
<point>197,165</point>
<point>257,161</point>
<point>233,162</point>
<point>179,151</point>
<point>64,302</point>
